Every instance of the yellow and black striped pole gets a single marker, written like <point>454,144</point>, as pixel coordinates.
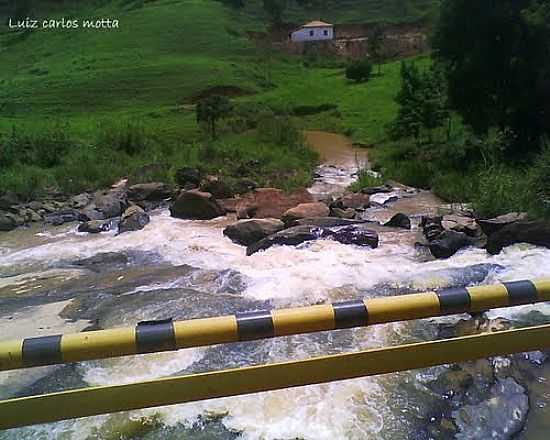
<point>159,336</point>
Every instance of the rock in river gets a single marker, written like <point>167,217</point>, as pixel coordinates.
<point>270,203</point>
<point>196,205</point>
<point>7,222</point>
<point>399,221</point>
<point>153,192</point>
<point>490,226</point>
<point>248,232</point>
<point>133,219</point>
<point>532,232</point>
<point>97,226</point>
<point>305,210</point>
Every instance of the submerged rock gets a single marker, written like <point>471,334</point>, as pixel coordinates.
<point>196,205</point>
<point>248,232</point>
<point>133,219</point>
<point>97,226</point>
<point>399,221</point>
<point>533,232</point>
<point>305,210</point>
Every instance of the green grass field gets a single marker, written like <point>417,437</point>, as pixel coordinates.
<point>165,53</point>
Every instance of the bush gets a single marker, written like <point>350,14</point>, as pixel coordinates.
<point>366,179</point>
<point>27,181</point>
<point>359,71</point>
<point>540,183</point>
<point>129,137</point>
<point>279,130</point>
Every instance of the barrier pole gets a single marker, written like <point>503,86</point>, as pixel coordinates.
<point>160,336</point>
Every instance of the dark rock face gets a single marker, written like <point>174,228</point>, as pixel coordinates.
<point>7,222</point>
<point>111,203</point>
<point>399,221</point>
<point>188,177</point>
<point>196,205</point>
<point>490,226</point>
<point>532,232</point>
<point>133,219</point>
<point>448,243</point>
<point>63,216</point>
<point>248,232</point>
<point>153,192</point>
<point>97,226</point>
<point>352,234</point>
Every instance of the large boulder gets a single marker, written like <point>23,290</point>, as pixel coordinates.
<point>80,201</point>
<point>449,243</point>
<point>7,200</point>
<point>464,224</point>
<point>248,232</point>
<point>490,226</point>
<point>111,203</point>
<point>305,210</point>
<point>133,219</point>
<point>196,205</point>
<point>97,226</point>
<point>188,178</point>
<point>353,234</point>
<point>533,232</point>
<point>399,220</point>
<point>7,222</point>
<point>270,203</point>
<point>152,192</point>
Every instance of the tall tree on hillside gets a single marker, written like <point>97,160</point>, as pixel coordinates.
<point>211,109</point>
<point>275,10</point>
<point>376,46</point>
<point>497,62</point>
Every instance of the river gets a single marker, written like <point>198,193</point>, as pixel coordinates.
<point>54,279</point>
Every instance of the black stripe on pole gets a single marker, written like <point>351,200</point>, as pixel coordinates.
<point>153,336</point>
<point>350,314</point>
<point>45,350</point>
<point>255,325</point>
<point>521,292</point>
<point>453,301</point>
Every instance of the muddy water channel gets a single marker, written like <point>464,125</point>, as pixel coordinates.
<point>55,280</point>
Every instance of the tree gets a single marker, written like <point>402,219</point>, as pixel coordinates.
<point>359,71</point>
<point>376,46</point>
<point>274,10</point>
<point>211,109</point>
<point>497,64</point>
<point>422,103</point>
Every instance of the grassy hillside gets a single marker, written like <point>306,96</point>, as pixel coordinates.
<point>165,53</point>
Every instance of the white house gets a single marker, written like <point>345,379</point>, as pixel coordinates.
<point>314,31</point>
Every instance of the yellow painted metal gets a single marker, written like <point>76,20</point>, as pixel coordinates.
<point>168,391</point>
<point>401,308</point>
<point>543,289</point>
<point>98,344</point>
<point>488,297</point>
<point>201,332</point>
<point>11,355</point>
<point>303,320</point>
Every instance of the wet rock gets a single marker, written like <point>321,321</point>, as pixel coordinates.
<point>399,221</point>
<point>349,213</point>
<point>448,244</point>
<point>248,232</point>
<point>537,358</point>
<point>490,226</point>
<point>7,200</point>
<point>432,227</point>
<point>111,203</point>
<point>100,262</point>
<point>532,232</point>
<point>188,177</point>
<point>7,222</point>
<point>357,201</point>
<point>377,189</point>
<point>466,225</point>
<point>196,205</point>
<point>383,199</point>
<point>153,192</point>
<point>218,187</point>
<point>133,219</point>
<point>63,216</point>
<point>502,416</point>
<point>80,201</point>
<point>291,237</point>
<point>353,234</point>
<point>28,215</point>
<point>90,213</point>
<point>97,226</point>
<point>270,202</point>
<point>305,210</point>
<point>328,222</point>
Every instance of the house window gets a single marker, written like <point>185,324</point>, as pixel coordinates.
<point>325,32</point>
<point>311,33</point>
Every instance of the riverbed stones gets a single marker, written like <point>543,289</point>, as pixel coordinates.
<point>67,215</point>
<point>96,226</point>
<point>399,220</point>
<point>152,192</point>
<point>328,222</point>
<point>270,202</point>
<point>7,200</point>
<point>460,223</point>
<point>348,213</point>
<point>133,219</point>
<point>111,203</point>
<point>357,235</point>
<point>220,188</point>
<point>490,226</point>
<point>305,210</point>
<point>196,205</point>
<point>441,242</point>
<point>357,201</point>
<point>248,232</point>
<point>7,222</point>
<point>532,232</point>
